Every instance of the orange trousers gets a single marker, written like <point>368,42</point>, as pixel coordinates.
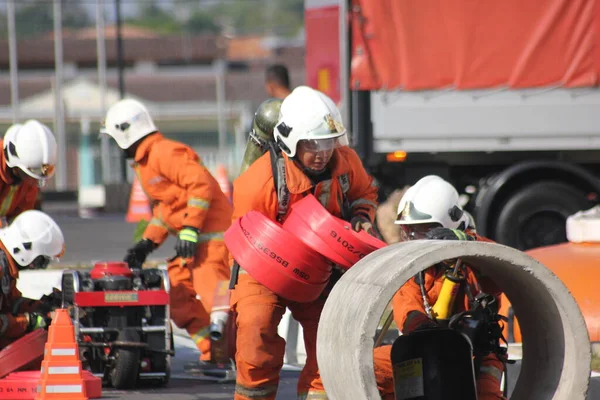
<point>198,276</point>
<point>260,350</point>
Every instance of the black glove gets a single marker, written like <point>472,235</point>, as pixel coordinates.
<point>448,234</point>
<point>50,302</point>
<point>187,242</point>
<point>136,256</point>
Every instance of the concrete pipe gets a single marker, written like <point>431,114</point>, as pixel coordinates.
<point>556,349</point>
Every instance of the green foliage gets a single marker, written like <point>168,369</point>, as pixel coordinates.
<point>282,17</point>
<point>35,17</point>
<point>202,22</point>
<point>153,17</point>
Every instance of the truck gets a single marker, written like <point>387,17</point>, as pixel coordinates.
<point>499,98</point>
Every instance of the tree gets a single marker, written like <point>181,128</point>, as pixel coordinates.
<point>154,17</point>
<point>202,22</point>
<point>36,17</point>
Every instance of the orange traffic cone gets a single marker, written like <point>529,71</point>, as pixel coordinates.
<point>61,376</point>
<point>223,180</point>
<point>139,206</point>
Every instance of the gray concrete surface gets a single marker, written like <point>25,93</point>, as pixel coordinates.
<point>185,387</point>
<point>558,354</point>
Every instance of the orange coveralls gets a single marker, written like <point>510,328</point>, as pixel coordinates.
<point>409,314</point>
<point>15,197</point>
<point>13,322</point>
<point>260,349</point>
<point>184,193</point>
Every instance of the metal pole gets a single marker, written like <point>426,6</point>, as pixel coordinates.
<point>344,65</point>
<point>119,49</point>
<point>101,52</point>
<point>12,55</point>
<point>120,68</point>
<point>59,128</point>
<point>222,123</point>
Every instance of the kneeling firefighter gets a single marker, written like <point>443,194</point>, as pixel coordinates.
<point>309,159</point>
<point>31,241</point>
<point>450,295</point>
<point>188,203</point>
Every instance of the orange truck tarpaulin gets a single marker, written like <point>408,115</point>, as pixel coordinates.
<point>466,44</point>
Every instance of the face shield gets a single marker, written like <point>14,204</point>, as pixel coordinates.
<point>315,154</point>
<point>414,223</point>
<point>41,174</point>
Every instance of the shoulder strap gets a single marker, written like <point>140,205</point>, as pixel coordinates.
<point>346,208</point>
<point>279,180</point>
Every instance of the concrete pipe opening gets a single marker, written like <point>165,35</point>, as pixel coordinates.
<point>556,349</point>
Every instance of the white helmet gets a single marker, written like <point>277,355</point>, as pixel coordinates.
<point>432,200</point>
<point>128,121</point>
<point>32,148</point>
<point>307,114</point>
<point>33,234</point>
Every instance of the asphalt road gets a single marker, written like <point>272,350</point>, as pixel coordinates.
<point>107,238</point>
<point>185,387</point>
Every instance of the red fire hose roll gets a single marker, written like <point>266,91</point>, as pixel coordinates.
<point>276,258</point>
<point>332,237</point>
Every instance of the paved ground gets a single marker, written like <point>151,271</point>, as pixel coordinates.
<point>108,238</point>
<point>184,387</point>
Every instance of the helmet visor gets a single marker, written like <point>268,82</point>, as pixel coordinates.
<point>318,145</point>
<point>410,215</point>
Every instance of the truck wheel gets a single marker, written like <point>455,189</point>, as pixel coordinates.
<point>126,366</point>
<point>536,215</point>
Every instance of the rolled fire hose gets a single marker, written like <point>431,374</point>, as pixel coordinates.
<point>556,351</point>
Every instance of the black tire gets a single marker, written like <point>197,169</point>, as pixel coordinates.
<point>536,215</point>
<point>126,366</point>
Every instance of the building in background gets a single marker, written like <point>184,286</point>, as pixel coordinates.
<point>173,75</point>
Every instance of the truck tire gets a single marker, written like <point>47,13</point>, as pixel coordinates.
<point>536,215</point>
<point>126,366</point>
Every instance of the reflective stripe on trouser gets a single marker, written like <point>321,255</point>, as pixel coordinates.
<point>186,310</point>
<point>490,378</point>
<point>260,350</point>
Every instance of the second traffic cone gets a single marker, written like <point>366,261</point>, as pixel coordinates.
<point>61,376</point>
<point>223,180</point>
<point>139,205</point>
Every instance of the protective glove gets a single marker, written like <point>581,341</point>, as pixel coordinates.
<point>361,222</point>
<point>416,320</point>
<point>187,241</point>
<point>36,321</point>
<point>50,302</point>
<point>448,234</point>
<point>136,256</point>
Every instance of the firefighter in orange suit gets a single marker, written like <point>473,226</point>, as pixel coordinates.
<point>27,162</point>
<point>313,159</point>
<point>31,241</point>
<point>187,202</point>
<point>430,210</point>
